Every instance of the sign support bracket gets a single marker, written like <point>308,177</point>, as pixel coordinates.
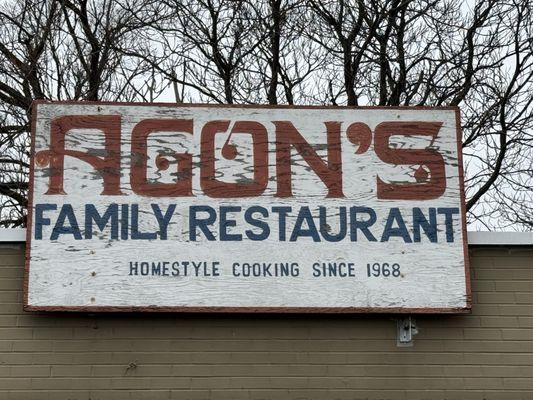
<point>405,330</point>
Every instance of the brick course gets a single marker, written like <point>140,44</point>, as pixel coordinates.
<point>486,355</point>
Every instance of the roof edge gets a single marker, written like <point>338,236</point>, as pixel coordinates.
<point>12,235</point>
<point>485,238</point>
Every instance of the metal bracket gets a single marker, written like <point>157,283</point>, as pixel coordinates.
<point>406,329</point>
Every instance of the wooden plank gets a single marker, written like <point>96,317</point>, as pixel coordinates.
<point>203,208</point>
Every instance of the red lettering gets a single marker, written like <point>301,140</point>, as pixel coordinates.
<point>359,134</point>
<point>330,173</point>
<point>215,188</point>
<point>435,186</point>
<point>138,173</point>
<point>430,175</point>
<point>108,166</point>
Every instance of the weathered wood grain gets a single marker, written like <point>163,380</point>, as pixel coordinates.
<point>93,274</point>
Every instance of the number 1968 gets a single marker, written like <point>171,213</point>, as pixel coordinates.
<point>383,269</point>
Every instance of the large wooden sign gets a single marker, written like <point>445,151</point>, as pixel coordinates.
<point>161,207</point>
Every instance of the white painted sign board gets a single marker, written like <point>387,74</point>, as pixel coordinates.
<point>162,207</point>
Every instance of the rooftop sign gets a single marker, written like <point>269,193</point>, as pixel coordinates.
<point>160,207</point>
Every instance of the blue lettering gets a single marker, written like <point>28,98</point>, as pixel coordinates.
<point>363,226</point>
<point>429,227</point>
<point>72,228</point>
<point>135,234</point>
<point>91,214</point>
<point>401,231</point>
<point>325,227</point>
<point>448,221</point>
<point>311,231</point>
<point>282,220</point>
<point>226,223</point>
<point>249,218</point>
<point>40,221</point>
<point>194,222</point>
<point>163,220</point>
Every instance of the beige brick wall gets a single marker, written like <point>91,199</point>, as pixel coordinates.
<point>486,355</point>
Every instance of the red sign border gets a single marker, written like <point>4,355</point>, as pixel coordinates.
<point>246,310</point>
